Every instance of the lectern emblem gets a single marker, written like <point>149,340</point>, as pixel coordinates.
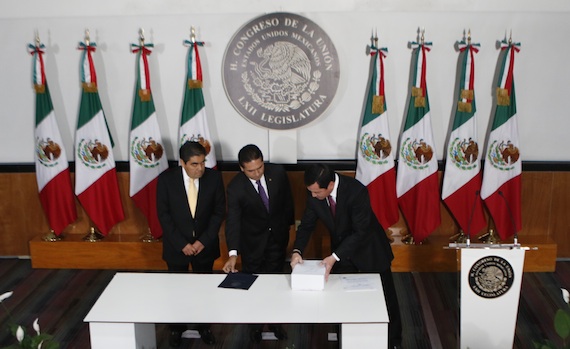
<point>491,277</point>
<point>280,71</point>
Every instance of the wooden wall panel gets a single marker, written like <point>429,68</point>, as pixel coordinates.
<point>546,203</point>
<point>559,207</point>
<point>537,196</point>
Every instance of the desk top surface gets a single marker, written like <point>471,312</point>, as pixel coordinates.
<point>196,298</point>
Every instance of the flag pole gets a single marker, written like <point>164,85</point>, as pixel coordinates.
<point>92,235</point>
<point>146,237</point>
<point>51,236</point>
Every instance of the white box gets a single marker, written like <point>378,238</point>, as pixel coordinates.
<point>309,276</point>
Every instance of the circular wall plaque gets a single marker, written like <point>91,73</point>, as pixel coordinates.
<point>491,277</point>
<point>280,71</point>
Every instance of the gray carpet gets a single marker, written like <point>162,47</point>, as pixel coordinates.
<point>428,301</point>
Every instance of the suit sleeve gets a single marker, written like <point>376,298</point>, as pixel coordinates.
<point>171,235</point>
<point>356,226</point>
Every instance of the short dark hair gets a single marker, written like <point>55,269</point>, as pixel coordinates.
<point>190,149</point>
<point>320,174</point>
<point>249,153</point>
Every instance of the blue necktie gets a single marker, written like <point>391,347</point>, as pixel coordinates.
<point>263,194</point>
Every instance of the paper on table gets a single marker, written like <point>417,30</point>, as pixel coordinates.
<point>356,282</point>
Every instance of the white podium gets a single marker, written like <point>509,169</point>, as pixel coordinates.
<point>490,284</point>
<point>125,313</point>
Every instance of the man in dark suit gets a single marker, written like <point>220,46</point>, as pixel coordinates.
<point>358,242</point>
<point>190,226</point>
<point>260,214</point>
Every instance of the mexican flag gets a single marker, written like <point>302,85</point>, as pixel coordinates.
<point>193,123</point>
<point>96,183</point>
<point>417,183</point>
<point>375,159</point>
<point>52,168</point>
<point>462,179</point>
<point>501,189</point>
<point>146,153</point>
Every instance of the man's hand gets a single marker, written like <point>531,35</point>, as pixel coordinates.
<point>189,250</point>
<point>198,247</point>
<point>328,263</point>
<point>296,259</point>
<point>230,266</point>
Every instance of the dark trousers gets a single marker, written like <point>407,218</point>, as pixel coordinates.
<point>390,295</point>
<point>272,261</point>
<point>197,267</point>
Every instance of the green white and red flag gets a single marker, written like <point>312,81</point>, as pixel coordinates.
<point>375,161</point>
<point>417,183</point>
<point>96,183</point>
<point>501,190</point>
<point>194,123</point>
<point>462,179</point>
<point>147,159</point>
<point>52,168</point>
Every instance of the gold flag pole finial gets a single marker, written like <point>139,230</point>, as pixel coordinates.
<point>469,37</point>
<point>192,34</point>
<point>37,38</point>
<point>376,38</point>
<point>511,37</point>
<point>141,36</point>
<point>87,40</point>
<point>422,38</point>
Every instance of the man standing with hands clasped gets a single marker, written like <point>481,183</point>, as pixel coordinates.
<point>191,206</point>
<point>260,214</point>
<point>358,242</point>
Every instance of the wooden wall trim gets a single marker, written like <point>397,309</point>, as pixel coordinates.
<point>546,201</point>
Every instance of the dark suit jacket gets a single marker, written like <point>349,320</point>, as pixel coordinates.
<point>178,225</point>
<point>355,232</point>
<point>249,225</point>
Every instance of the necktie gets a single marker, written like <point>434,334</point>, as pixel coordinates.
<point>192,196</point>
<point>332,205</point>
<point>263,194</point>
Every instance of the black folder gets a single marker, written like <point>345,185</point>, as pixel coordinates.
<point>241,281</point>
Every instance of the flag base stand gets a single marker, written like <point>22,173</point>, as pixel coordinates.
<point>409,240</point>
<point>51,237</point>
<point>459,238</point>
<point>148,237</point>
<point>490,237</point>
<point>93,236</point>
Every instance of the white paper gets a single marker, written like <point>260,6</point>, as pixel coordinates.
<point>357,283</point>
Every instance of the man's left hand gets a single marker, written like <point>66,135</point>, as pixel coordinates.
<point>328,263</point>
<point>198,247</point>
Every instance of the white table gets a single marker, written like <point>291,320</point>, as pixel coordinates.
<point>125,314</point>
